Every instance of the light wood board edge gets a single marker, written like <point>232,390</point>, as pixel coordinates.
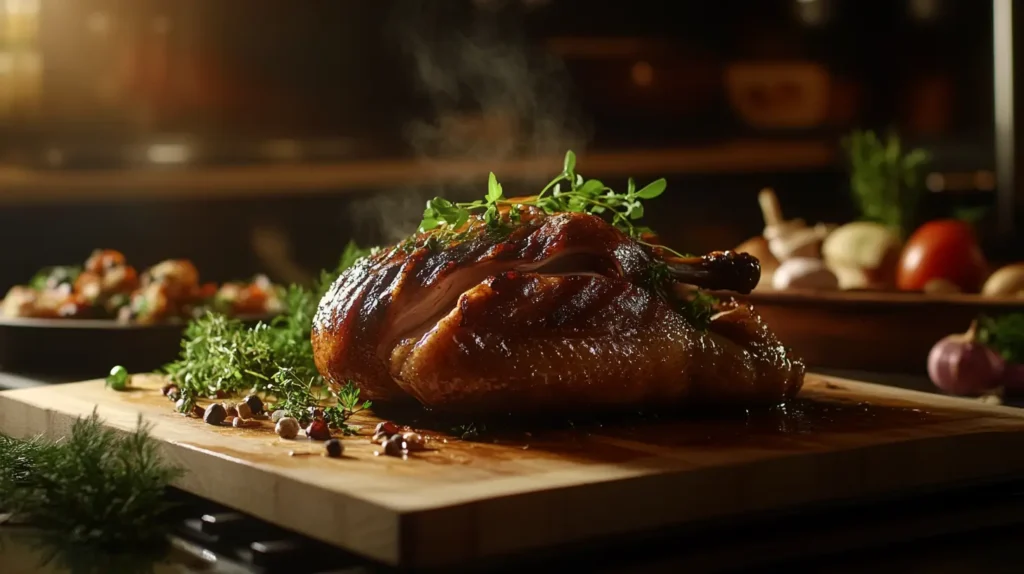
<point>544,516</point>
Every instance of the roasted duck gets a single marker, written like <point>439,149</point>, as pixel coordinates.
<point>553,312</point>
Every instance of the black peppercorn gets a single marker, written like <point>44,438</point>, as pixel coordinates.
<point>255,404</point>
<point>396,446</point>
<point>334,448</point>
<point>215,414</point>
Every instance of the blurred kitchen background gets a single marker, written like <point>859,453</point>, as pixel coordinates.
<point>262,135</point>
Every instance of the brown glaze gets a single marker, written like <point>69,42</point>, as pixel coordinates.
<point>557,314</point>
<point>739,272</point>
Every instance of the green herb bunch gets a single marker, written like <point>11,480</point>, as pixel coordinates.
<point>886,181</point>
<point>1004,335</point>
<point>567,192</point>
<point>96,487</point>
<point>224,355</point>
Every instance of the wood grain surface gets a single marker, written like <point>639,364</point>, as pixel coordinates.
<point>463,500</point>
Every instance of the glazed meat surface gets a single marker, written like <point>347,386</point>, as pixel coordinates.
<point>559,313</point>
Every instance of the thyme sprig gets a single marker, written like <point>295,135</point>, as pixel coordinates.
<point>224,356</point>
<point>569,191</point>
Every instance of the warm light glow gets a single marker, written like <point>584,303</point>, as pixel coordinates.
<point>98,23</point>
<point>22,7</point>
<point>168,153</point>
<point>643,74</point>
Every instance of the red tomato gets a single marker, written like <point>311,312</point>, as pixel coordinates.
<point>942,249</point>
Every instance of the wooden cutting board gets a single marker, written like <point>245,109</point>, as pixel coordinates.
<point>525,490</point>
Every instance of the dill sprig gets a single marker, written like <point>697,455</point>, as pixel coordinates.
<point>885,180</point>
<point>96,487</point>
<point>224,356</point>
<point>567,192</point>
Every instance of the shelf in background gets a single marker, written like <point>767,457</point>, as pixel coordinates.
<point>20,185</point>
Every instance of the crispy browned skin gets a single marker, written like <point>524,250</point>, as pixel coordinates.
<point>557,315</point>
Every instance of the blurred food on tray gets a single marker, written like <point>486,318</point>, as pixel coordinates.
<point>108,287</point>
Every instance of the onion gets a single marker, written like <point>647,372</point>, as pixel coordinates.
<point>960,365</point>
<point>1013,377</point>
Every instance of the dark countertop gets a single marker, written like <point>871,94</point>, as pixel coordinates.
<point>973,529</point>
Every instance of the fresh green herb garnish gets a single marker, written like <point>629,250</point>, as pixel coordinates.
<point>50,277</point>
<point>567,192</point>
<point>221,354</point>
<point>1005,335</point>
<point>119,379</point>
<point>97,487</point>
<point>698,310</point>
<point>885,181</point>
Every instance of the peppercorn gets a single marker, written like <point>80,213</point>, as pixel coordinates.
<point>255,404</point>
<point>244,411</point>
<point>287,428</point>
<point>240,423</point>
<point>334,448</point>
<point>119,379</point>
<point>278,415</point>
<point>230,409</point>
<point>414,440</point>
<point>317,430</point>
<point>396,446</point>
<point>215,414</point>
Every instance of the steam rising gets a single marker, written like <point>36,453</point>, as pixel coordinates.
<point>493,95</point>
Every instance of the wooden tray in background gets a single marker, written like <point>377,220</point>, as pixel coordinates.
<point>469,501</point>
<point>88,348</point>
<point>868,330</point>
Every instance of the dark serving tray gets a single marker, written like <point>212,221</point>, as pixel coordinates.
<point>87,348</point>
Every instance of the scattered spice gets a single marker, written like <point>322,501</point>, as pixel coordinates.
<point>255,404</point>
<point>414,440</point>
<point>240,423</point>
<point>287,428</point>
<point>230,409</point>
<point>244,410</point>
<point>230,420</point>
<point>215,414</point>
<point>318,430</point>
<point>119,379</point>
<point>334,448</point>
<point>396,446</point>
<point>198,411</point>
